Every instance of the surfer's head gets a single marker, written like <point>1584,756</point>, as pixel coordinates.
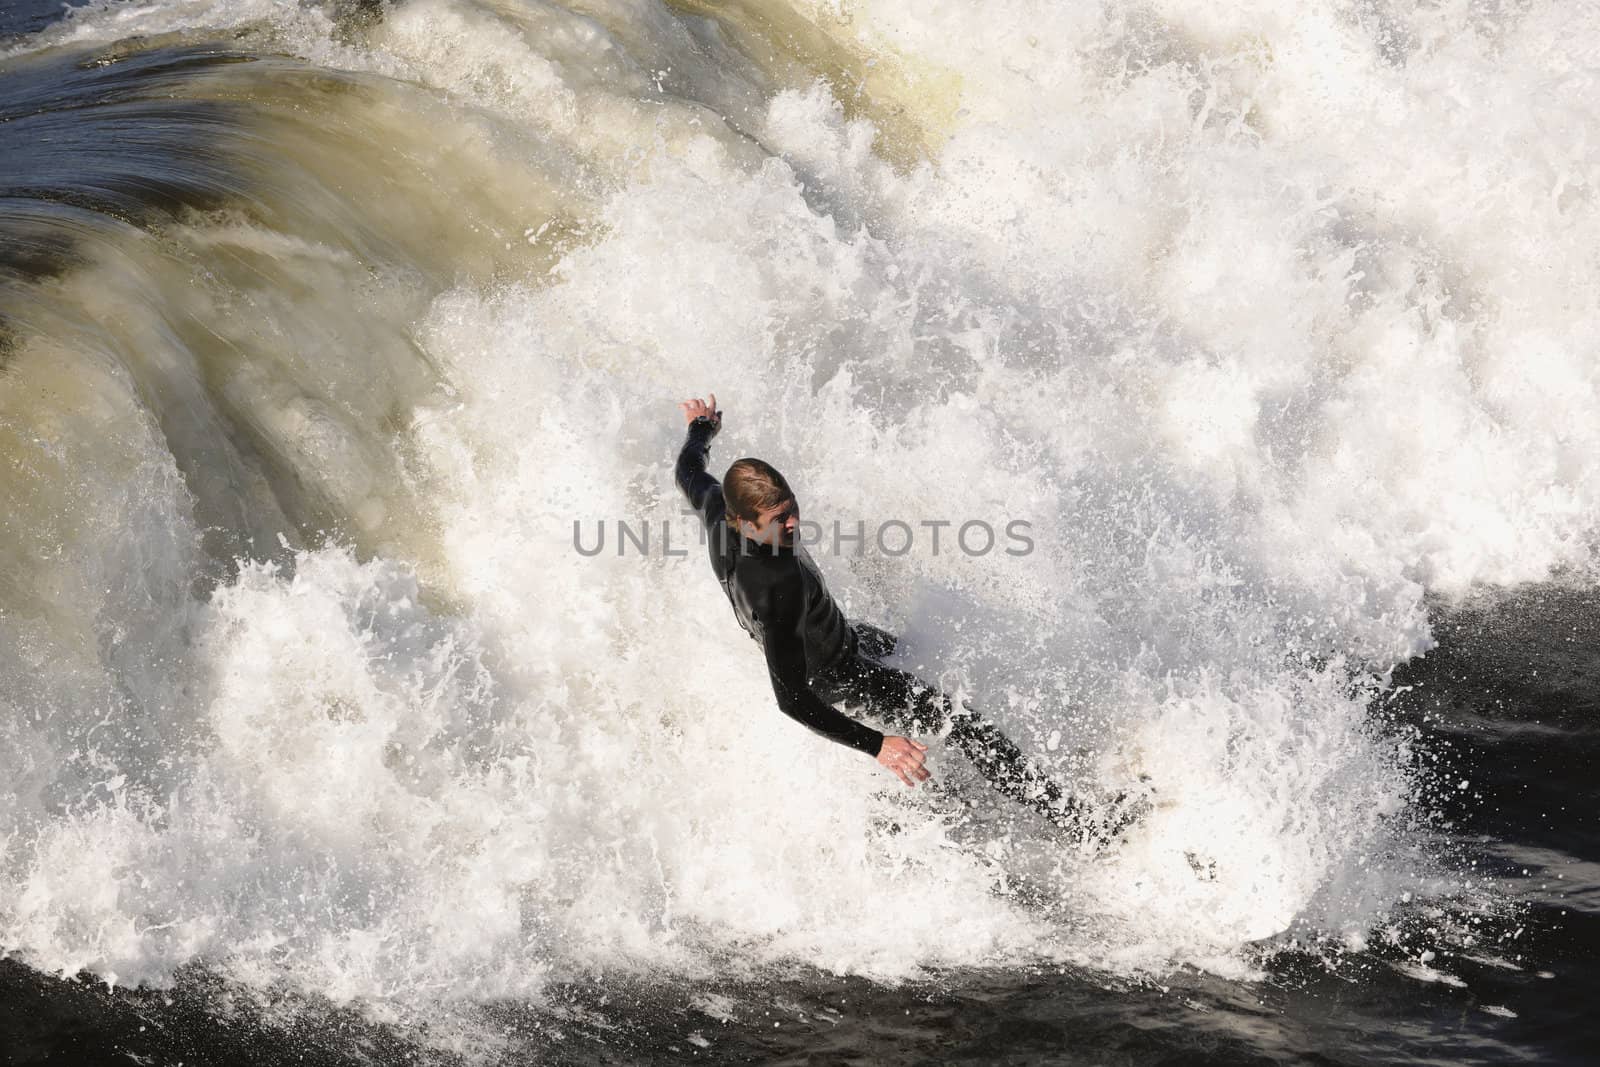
<point>760,504</point>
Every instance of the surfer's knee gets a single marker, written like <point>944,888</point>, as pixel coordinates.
<point>873,642</point>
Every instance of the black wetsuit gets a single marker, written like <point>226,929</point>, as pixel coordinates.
<point>816,657</point>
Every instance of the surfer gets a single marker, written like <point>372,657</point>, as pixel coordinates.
<point>817,658</point>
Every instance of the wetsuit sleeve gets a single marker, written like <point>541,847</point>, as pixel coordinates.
<point>780,616</point>
<point>701,489</point>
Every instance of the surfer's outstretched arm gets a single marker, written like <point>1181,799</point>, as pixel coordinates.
<point>703,491</point>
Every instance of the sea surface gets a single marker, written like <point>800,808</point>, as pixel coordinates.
<point>1262,338</point>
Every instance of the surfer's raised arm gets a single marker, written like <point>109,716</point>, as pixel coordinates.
<point>699,487</point>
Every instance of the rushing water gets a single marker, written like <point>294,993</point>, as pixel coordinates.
<point>323,328</point>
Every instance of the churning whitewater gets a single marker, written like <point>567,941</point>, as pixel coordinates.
<point>321,330</point>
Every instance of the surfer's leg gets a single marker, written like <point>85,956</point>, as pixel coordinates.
<point>873,642</point>
<point>904,701</point>
<point>893,696</point>
<point>999,760</point>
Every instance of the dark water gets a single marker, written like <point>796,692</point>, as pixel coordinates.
<point>1509,699</point>
<point>18,18</point>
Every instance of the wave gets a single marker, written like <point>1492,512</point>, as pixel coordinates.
<point>323,326</point>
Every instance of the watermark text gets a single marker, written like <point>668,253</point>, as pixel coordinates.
<point>887,537</point>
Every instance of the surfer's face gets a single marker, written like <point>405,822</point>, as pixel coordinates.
<point>776,525</point>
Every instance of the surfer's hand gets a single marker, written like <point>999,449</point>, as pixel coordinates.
<point>904,757</point>
<point>702,409</point>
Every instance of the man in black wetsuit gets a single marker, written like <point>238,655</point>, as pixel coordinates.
<point>816,657</point>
